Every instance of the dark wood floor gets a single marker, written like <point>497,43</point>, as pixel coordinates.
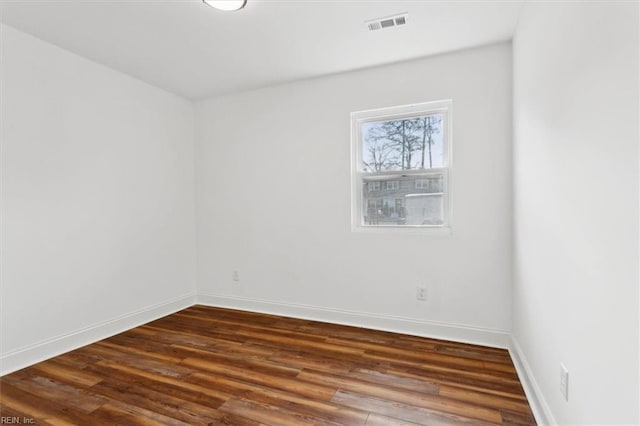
<point>216,366</point>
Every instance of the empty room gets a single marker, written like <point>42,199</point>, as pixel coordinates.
<point>320,212</point>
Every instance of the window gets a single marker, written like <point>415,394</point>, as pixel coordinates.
<point>401,167</point>
<point>392,185</point>
<point>431,184</point>
<point>373,186</point>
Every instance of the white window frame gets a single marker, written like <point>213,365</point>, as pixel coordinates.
<point>358,119</point>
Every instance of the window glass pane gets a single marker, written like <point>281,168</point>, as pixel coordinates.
<point>403,200</point>
<point>409,144</point>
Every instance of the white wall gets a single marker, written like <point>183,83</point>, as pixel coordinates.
<point>273,196</point>
<point>97,200</point>
<point>576,207</point>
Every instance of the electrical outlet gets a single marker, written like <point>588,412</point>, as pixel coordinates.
<point>421,293</point>
<point>564,382</point>
<point>236,276</point>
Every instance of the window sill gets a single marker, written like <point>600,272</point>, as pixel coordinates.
<point>403,229</point>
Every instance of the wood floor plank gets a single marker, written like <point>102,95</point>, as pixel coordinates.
<point>509,390</point>
<point>215,366</point>
<point>78,359</point>
<point>129,347</point>
<point>66,374</point>
<point>234,420</point>
<point>394,381</point>
<point>500,366</point>
<point>404,411</point>
<point>484,399</point>
<point>331,413</point>
<point>159,402</point>
<point>184,391</point>
<point>150,348</point>
<point>473,373</point>
<point>210,344</point>
<point>289,384</point>
<point>424,400</point>
<point>287,391</point>
<point>410,354</point>
<point>260,393</point>
<point>378,420</point>
<point>281,328</point>
<point>315,345</point>
<point>144,362</point>
<point>117,413</point>
<point>351,333</point>
<point>241,367</point>
<point>517,419</point>
<point>81,399</point>
<point>475,353</point>
<point>271,415</point>
<point>306,359</point>
<point>249,361</point>
<point>315,353</point>
<point>157,381</point>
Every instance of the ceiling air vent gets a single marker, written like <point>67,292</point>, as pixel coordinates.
<point>387,22</point>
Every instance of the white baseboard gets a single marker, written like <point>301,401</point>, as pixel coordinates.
<point>49,348</point>
<point>539,406</point>
<point>453,332</point>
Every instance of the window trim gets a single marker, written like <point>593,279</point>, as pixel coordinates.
<point>358,119</point>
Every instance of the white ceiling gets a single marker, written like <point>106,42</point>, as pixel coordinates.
<point>195,51</point>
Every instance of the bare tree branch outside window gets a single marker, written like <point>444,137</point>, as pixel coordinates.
<point>408,144</point>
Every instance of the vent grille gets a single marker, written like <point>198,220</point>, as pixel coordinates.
<point>387,22</point>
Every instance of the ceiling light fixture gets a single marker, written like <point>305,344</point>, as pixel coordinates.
<point>226,5</point>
